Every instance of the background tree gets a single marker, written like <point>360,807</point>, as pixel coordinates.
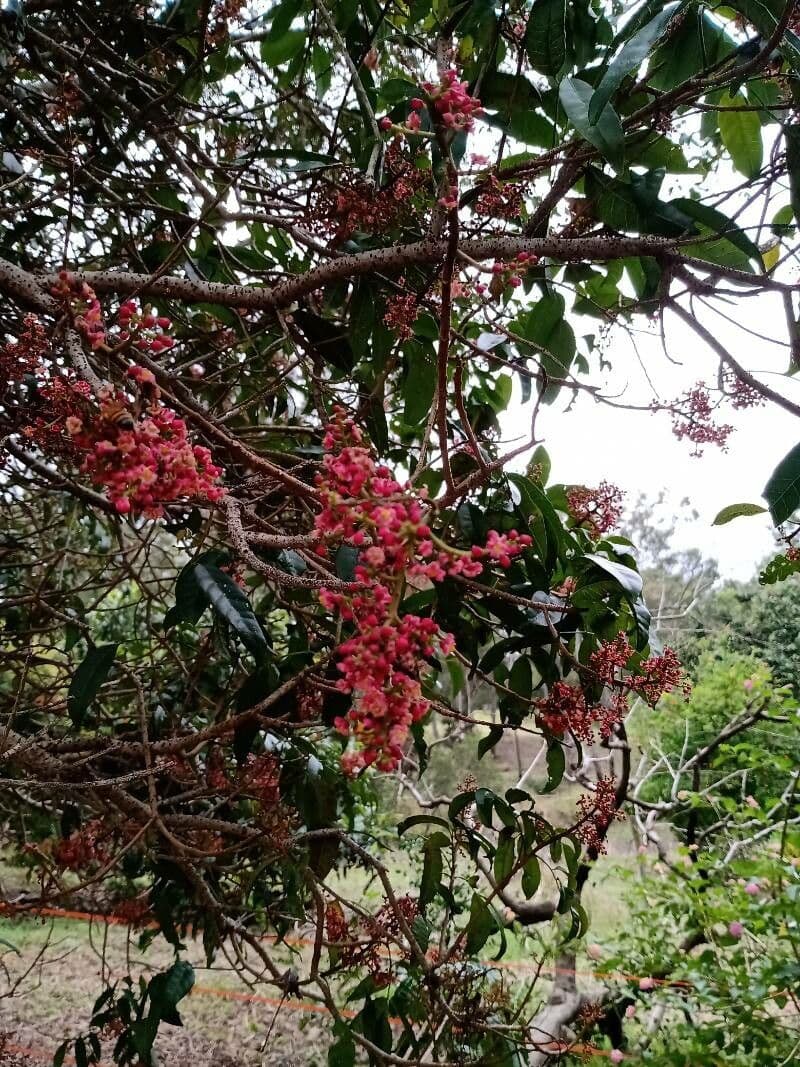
<point>271,275</point>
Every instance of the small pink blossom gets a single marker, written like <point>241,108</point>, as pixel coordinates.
<point>735,929</point>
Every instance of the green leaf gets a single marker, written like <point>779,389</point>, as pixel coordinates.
<point>167,989</point>
<point>281,49</point>
<point>741,134</point>
<point>87,680</point>
<point>504,860</point>
<point>231,604</point>
<point>432,868</point>
<point>782,491</point>
<point>556,765</point>
<point>190,600</point>
<point>628,61</point>
<point>546,36</point>
<point>733,511</point>
<point>605,133</point>
<point>345,561</point>
<point>419,385</point>
<point>480,926</point>
<point>421,820</point>
<point>629,579</point>
<point>531,877</point>
<point>9,945</point>
<point>792,134</point>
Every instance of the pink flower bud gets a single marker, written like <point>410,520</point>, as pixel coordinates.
<point>735,929</point>
<point>197,370</point>
<point>752,889</point>
<point>385,123</point>
<point>646,984</point>
<point>417,104</point>
<point>616,1056</point>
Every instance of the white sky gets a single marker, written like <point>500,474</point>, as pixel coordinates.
<point>638,452</point>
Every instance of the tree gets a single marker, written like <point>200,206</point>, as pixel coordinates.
<point>271,275</point>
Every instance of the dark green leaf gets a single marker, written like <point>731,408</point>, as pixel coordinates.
<point>504,860</point>
<point>421,820</point>
<point>480,926</point>
<point>190,600</point>
<point>283,48</point>
<point>629,579</point>
<point>556,765</point>
<point>792,134</point>
<point>231,604</point>
<point>546,36</point>
<point>531,877</point>
<point>432,868</point>
<point>167,989</point>
<point>782,491</point>
<point>419,385</point>
<point>87,680</point>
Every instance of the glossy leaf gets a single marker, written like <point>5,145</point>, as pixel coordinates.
<point>782,491</point>
<point>605,133</point>
<point>231,604</point>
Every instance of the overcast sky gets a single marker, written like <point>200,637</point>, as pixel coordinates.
<point>638,452</point>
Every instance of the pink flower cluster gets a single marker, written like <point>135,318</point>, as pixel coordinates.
<point>598,509</point>
<point>84,307</point>
<point>382,662</point>
<point>693,419</point>
<point>147,331</point>
<point>452,102</point>
<point>145,463</point>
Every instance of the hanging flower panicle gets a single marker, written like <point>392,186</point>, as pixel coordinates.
<point>382,663</point>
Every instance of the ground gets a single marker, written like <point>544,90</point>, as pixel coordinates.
<point>227,1024</point>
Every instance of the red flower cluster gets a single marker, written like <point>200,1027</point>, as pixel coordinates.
<point>354,205</point>
<point>565,708</point>
<point>260,777</point>
<point>23,356</point>
<point>598,509</point>
<point>502,200</point>
<point>509,272</point>
<point>80,300</point>
<point>381,664</point>
<point>61,398</point>
<point>372,940</point>
<point>146,463</point>
<point>654,677</point>
<point>81,848</point>
<point>452,102</point>
<point>597,811</point>
<point>148,332</point>
<point>401,314</point>
<point>693,418</point>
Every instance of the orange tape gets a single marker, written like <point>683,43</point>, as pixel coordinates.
<point>306,942</point>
